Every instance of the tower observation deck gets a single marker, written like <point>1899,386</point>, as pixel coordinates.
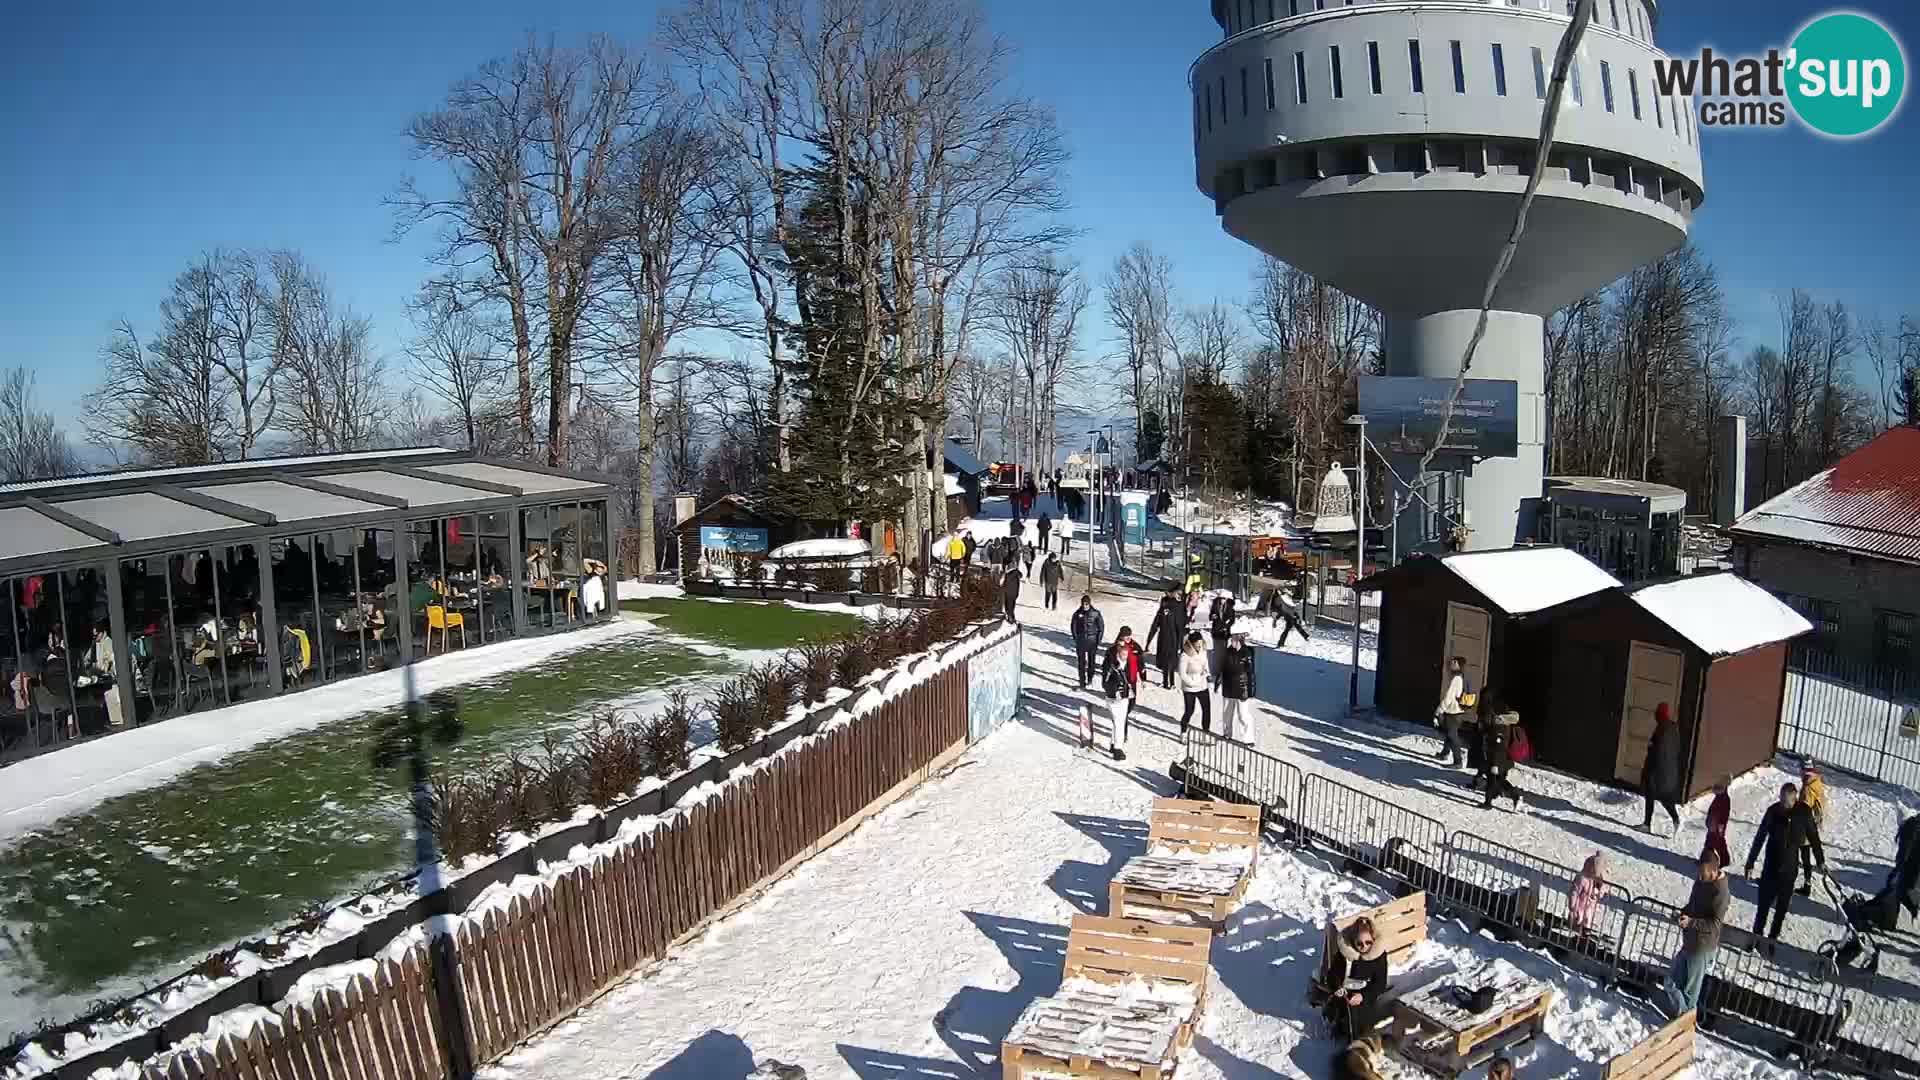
<point>1383,146</point>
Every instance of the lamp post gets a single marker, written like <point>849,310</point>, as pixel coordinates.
<point>1358,422</point>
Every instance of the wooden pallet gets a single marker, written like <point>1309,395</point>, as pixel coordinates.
<point>1398,926</point>
<point>1444,1038</point>
<point>1172,881</point>
<point>1663,1055</point>
<point>1098,1027</point>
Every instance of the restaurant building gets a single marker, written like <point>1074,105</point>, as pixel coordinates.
<point>136,596</point>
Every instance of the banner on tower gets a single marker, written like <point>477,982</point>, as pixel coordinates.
<point>1403,415</point>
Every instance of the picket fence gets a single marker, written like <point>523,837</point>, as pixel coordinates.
<point>443,1006</point>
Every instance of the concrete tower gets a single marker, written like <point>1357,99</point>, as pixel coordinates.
<point>1383,145</point>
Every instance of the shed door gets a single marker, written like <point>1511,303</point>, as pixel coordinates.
<point>1653,676</point>
<point>1468,630</point>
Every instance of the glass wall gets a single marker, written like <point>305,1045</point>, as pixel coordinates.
<point>564,596</point>
<point>596,586</point>
<point>495,542</point>
<point>296,608</point>
<point>147,595</point>
<point>535,544</point>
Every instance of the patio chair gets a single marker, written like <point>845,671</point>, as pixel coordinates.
<point>1199,861</point>
<point>1662,1055</point>
<point>439,618</point>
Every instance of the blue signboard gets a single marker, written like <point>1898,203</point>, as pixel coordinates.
<point>1403,415</point>
<point>720,538</point>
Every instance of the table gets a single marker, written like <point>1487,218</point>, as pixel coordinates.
<point>1198,888</point>
<point>1434,1031</point>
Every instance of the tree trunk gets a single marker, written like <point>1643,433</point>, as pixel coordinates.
<point>644,435</point>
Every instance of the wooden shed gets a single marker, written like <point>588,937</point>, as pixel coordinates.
<point>1714,647</point>
<point>727,533</point>
<point>1487,607</point>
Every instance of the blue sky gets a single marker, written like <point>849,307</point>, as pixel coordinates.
<point>136,139</point>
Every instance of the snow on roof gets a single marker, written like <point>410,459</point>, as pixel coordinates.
<point>953,486</point>
<point>826,547</point>
<point>1721,613</point>
<point>1869,501</point>
<point>1525,580</point>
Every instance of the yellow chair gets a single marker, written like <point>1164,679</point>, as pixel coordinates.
<point>438,619</point>
<point>304,663</point>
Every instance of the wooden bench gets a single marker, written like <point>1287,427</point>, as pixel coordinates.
<point>1664,1054</point>
<point>1199,862</point>
<point>1398,926</point>
<point>1131,995</point>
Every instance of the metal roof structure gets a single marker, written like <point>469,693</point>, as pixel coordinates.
<point>49,524</point>
<point>1606,493</point>
<point>962,459</point>
<point>1868,503</point>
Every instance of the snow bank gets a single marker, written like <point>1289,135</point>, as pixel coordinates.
<point>1722,613</point>
<point>826,547</point>
<point>1530,579</point>
<point>633,589</point>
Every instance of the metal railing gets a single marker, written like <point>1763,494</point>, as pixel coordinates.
<point>1852,715</point>
<point>1784,1000</point>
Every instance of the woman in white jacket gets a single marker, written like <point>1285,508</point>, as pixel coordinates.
<point>1196,682</point>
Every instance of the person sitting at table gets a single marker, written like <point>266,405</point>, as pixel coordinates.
<point>538,565</point>
<point>206,640</point>
<point>421,595</point>
<point>100,661</point>
<point>248,630</point>
<point>1357,977</point>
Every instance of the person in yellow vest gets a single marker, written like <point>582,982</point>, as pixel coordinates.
<point>1813,795</point>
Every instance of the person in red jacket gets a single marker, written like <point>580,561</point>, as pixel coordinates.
<point>1719,812</point>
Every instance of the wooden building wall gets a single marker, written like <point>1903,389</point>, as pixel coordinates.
<point>1412,652</point>
<point>1586,684</point>
<point>1742,714</point>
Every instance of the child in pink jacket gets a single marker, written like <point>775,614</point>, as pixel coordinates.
<point>1583,902</point>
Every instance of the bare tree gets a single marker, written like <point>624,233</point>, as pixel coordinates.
<point>1036,311</point>
<point>165,402</point>
<point>32,446</point>
<point>532,141</point>
<point>1893,350</point>
<point>454,360</point>
<point>331,382</point>
<point>244,324</point>
<point>1139,300</point>
<point>663,267</point>
<point>1837,346</point>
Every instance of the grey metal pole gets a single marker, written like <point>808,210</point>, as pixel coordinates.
<point>1359,423</point>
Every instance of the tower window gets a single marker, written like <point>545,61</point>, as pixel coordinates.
<point>1207,92</point>
<point>1269,10</point>
<point>1606,84</point>
<point>1373,65</point>
<point>1269,67</point>
<point>1539,75</point>
<point>1615,6</point>
<point>1196,118</point>
<point>1293,7</point>
<point>1413,62</point>
<point>1223,100</point>
<point>1633,88</point>
<point>1573,69</point>
<point>1243,92</point>
<point>1459,71</point>
<point>1300,77</point>
<point>1499,70</point>
<point>1659,114</point>
<point>1333,67</point>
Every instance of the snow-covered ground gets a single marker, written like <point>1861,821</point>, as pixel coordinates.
<point>909,949</point>
<point>72,779</point>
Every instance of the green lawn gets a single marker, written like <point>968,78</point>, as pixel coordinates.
<point>147,880</point>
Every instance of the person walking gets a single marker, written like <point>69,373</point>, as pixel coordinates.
<point>1169,627</point>
<point>1046,526</point>
<point>1220,623</point>
<point>1238,687</point>
<point>1786,827</point>
<point>1088,627</point>
<point>1589,889</point>
<point>1027,555</point>
<point>968,544</point>
<point>1196,683</point>
<point>1719,813</point>
<point>1700,923</point>
<point>1813,792</point>
<point>1660,773</point>
<point>1447,714</point>
<point>1051,574</point>
<point>1120,679</point>
<point>1010,592</point>
<point>1496,752</point>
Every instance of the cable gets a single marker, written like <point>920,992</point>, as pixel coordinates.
<point>1417,493</point>
<point>1562,63</point>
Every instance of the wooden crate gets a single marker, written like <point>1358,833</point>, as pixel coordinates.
<point>1143,1039</point>
<point>1398,926</point>
<point>1158,886</point>
<point>1663,1055</point>
<point>1451,1048</point>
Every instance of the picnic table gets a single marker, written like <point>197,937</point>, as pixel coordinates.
<point>1435,1029</point>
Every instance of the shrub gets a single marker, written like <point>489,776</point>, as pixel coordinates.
<point>560,777</point>
<point>612,759</point>
<point>216,966</point>
<point>853,660</point>
<point>813,665</point>
<point>665,737</point>
<point>770,687</point>
<point>747,570</point>
<point>736,715</point>
<point>833,579</point>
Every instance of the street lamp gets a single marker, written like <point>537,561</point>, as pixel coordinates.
<point>1358,422</point>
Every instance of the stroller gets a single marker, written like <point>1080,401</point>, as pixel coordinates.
<point>1865,917</point>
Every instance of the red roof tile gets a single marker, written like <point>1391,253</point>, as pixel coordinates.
<point>1868,502</point>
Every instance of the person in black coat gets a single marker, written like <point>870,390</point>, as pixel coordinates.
<point>1010,592</point>
<point>1220,623</point>
<point>1088,627</point>
<point>1170,628</point>
<point>1497,725</point>
<point>1660,773</point>
<point>1046,526</point>
<point>1238,685</point>
<point>1052,572</point>
<point>1356,980</point>
<point>1786,827</point>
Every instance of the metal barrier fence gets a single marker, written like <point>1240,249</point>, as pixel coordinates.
<point>1852,715</point>
<point>1788,1000</point>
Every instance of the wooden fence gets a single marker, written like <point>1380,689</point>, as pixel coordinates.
<point>526,964</point>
